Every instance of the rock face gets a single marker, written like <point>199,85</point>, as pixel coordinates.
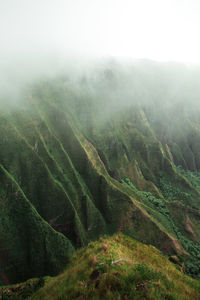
<point>76,165</point>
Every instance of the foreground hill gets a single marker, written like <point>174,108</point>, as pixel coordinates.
<point>98,156</point>
<point>117,267</point>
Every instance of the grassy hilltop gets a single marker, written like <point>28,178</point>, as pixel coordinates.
<point>117,267</point>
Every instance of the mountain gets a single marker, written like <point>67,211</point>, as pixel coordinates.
<point>113,151</point>
<point>117,267</point>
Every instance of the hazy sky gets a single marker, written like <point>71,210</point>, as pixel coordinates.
<point>155,29</point>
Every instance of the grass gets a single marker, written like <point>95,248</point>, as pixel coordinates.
<point>21,290</point>
<point>119,267</point>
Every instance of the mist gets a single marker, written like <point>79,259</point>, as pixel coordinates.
<point>138,42</point>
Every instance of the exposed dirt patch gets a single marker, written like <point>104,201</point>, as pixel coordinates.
<point>188,226</point>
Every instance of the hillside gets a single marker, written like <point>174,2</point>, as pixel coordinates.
<point>92,157</point>
<point>115,267</point>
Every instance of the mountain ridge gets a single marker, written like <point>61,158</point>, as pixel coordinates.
<point>85,164</point>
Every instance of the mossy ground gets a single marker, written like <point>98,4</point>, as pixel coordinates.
<point>119,267</point>
<point>22,290</point>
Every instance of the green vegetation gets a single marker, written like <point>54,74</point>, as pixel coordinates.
<point>118,267</point>
<point>192,177</point>
<point>75,165</point>
<point>22,290</point>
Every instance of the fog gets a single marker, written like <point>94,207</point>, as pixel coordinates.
<point>44,38</point>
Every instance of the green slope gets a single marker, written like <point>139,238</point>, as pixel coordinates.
<point>117,267</point>
<point>77,163</point>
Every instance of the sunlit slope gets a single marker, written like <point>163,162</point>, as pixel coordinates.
<point>120,268</point>
<point>74,167</point>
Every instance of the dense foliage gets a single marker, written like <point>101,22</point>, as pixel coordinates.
<point>111,151</point>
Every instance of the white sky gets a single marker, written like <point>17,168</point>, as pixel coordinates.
<point>154,29</point>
